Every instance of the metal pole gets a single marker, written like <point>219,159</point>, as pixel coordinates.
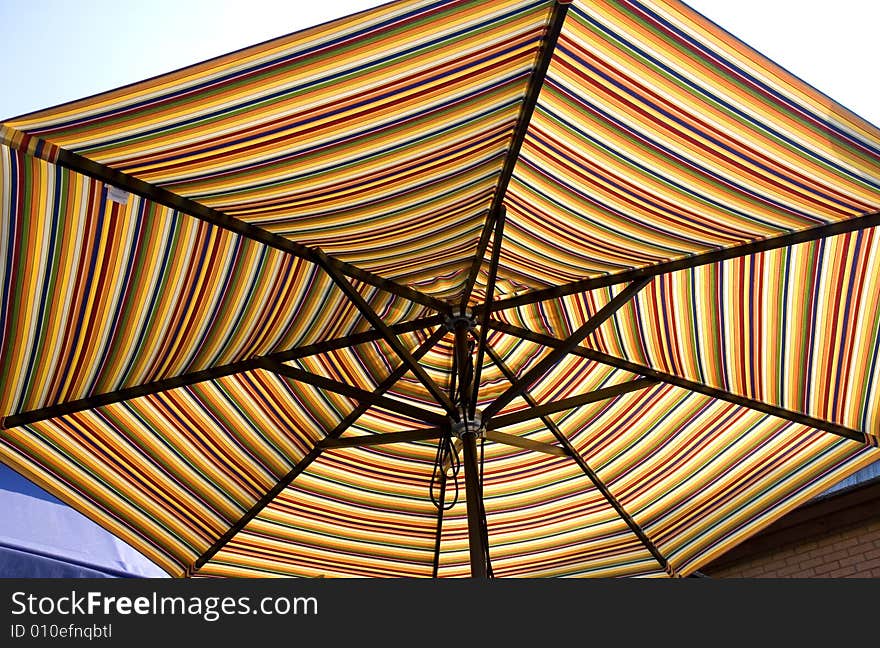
<point>474,510</point>
<point>469,442</point>
<point>465,377</point>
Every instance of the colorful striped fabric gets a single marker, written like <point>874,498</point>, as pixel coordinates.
<point>657,136</point>
<point>170,472</point>
<point>378,138</point>
<point>97,296</point>
<point>180,360</point>
<point>797,327</point>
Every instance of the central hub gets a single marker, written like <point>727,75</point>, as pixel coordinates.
<point>474,426</point>
<point>460,318</point>
<point>462,387</point>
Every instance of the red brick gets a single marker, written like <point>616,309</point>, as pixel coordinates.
<point>819,552</point>
<point>786,551</point>
<point>861,548</point>
<point>823,570</point>
<point>852,560</point>
<point>843,572</point>
<point>812,562</point>
<point>848,542</point>
<point>870,564</point>
<point>789,571</point>
<point>807,546</point>
<point>836,555</point>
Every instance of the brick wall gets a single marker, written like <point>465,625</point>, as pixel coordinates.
<point>853,551</point>
<point>838,537</point>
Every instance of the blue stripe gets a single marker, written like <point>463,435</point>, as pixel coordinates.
<point>227,171</point>
<point>233,75</point>
<point>236,244</point>
<point>607,227</point>
<point>726,422</point>
<point>849,315</point>
<point>9,254</point>
<point>787,285</point>
<point>341,75</point>
<point>106,351</point>
<point>148,321</point>
<point>688,162</point>
<point>820,248</point>
<point>782,99</point>
<point>80,318</point>
<point>225,461</point>
<point>212,234</point>
<point>665,179</point>
<point>407,208</point>
<point>748,321</point>
<point>728,106</point>
<point>732,236</point>
<point>144,445</point>
<point>687,127</point>
<point>59,196</point>
<point>695,323</point>
<point>246,138</point>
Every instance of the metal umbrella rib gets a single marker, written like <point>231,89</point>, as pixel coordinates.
<point>714,392</point>
<point>817,233</point>
<point>561,350</point>
<point>536,83</point>
<point>313,454</point>
<point>117,178</point>
<point>102,400</point>
<point>570,451</point>
<point>540,411</point>
<point>389,336</point>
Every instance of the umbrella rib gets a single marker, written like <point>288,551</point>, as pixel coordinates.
<point>530,100</point>
<point>525,443</point>
<point>564,347</point>
<point>540,411</point>
<point>713,392</point>
<point>362,395</point>
<point>406,436</point>
<point>212,373</point>
<point>793,238</point>
<point>313,454</point>
<point>571,451</point>
<point>354,339</point>
<point>38,147</point>
<point>373,318</point>
<point>487,312</point>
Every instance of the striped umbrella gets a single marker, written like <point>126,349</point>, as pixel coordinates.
<point>511,288</point>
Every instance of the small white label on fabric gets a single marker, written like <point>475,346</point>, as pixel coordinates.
<point>117,195</point>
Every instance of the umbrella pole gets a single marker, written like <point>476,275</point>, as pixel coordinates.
<point>467,429</point>
<point>474,509</point>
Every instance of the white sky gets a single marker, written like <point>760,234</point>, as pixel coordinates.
<point>53,51</point>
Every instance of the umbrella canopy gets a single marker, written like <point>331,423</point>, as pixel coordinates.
<point>512,288</point>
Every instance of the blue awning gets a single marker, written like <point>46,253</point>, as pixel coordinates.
<point>42,538</point>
